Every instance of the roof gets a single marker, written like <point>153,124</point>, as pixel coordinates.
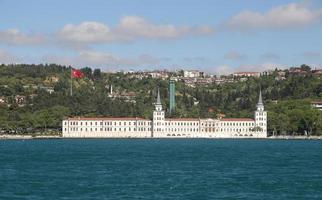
<point>158,98</point>
<point>260,100</point>
<point>182,119</point>
<point>107,118</point>
<point>236,119</point>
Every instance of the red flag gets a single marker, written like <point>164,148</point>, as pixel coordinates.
<point>77,73</point>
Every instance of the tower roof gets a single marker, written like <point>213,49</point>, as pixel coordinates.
<point>158,98</point>
<point>260,100</point>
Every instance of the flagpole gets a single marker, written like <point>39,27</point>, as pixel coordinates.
<point>71,82</point>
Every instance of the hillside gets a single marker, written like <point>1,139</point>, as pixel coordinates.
<point>35,98</point>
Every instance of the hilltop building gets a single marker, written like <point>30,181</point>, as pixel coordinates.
<point>161,127</point>
<point>192,74</point>
<point>246,74</point>
<point>317,105</point>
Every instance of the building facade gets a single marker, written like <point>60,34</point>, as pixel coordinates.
<point>246,74</point>
<point>317,105</point>
<point>161,127</point>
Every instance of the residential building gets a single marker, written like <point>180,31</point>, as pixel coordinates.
<point>246,74</point>
<point>317,105</point>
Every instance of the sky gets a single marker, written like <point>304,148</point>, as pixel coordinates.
<point>215,36</point>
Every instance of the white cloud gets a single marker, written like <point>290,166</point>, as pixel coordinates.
<point>234,56</point>
<point>222,70</point>
<point>15,37</point>
<point>269,57</point>
<point>129,28</point>
<point>7,58</point>
<point>259,67</point>
<point>311,55</point>
<point>292,15</point>
<point>226,69</point>
<point>196,60</point>
<point>102,60</point>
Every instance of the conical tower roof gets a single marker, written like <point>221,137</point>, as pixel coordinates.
<point>260,99</point>
<point>158,98</point>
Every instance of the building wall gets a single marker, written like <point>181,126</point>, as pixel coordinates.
<point>236,128</point>
<point>181,128</point>
<point>106,128</point>
<point>187,128</point>
<point>160,127</point>
<point>317,105</point>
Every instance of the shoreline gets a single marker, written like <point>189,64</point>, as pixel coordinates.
<point>30,137</point>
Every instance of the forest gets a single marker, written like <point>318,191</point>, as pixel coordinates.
<point>288,101</point>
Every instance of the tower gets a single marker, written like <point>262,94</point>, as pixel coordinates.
<point>158,118</point>
<point>172,103</point>
<point>260,118</point>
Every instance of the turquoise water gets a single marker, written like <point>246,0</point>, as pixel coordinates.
<point>160,169</point>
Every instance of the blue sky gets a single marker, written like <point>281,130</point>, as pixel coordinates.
<point>212,35</point>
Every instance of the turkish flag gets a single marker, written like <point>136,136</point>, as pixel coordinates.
<point>77,73</point>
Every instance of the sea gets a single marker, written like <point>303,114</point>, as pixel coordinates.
<point>160,169</point>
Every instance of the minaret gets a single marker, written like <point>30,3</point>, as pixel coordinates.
<point>158,118</point>
<point>260,118</point>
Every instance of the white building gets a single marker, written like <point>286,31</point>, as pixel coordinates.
<point>192,74</point>
<point>160,127</point>
<point>317,105</point>
<point>247,74</point>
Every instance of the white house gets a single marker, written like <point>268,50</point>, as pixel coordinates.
<point>317,105</point>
